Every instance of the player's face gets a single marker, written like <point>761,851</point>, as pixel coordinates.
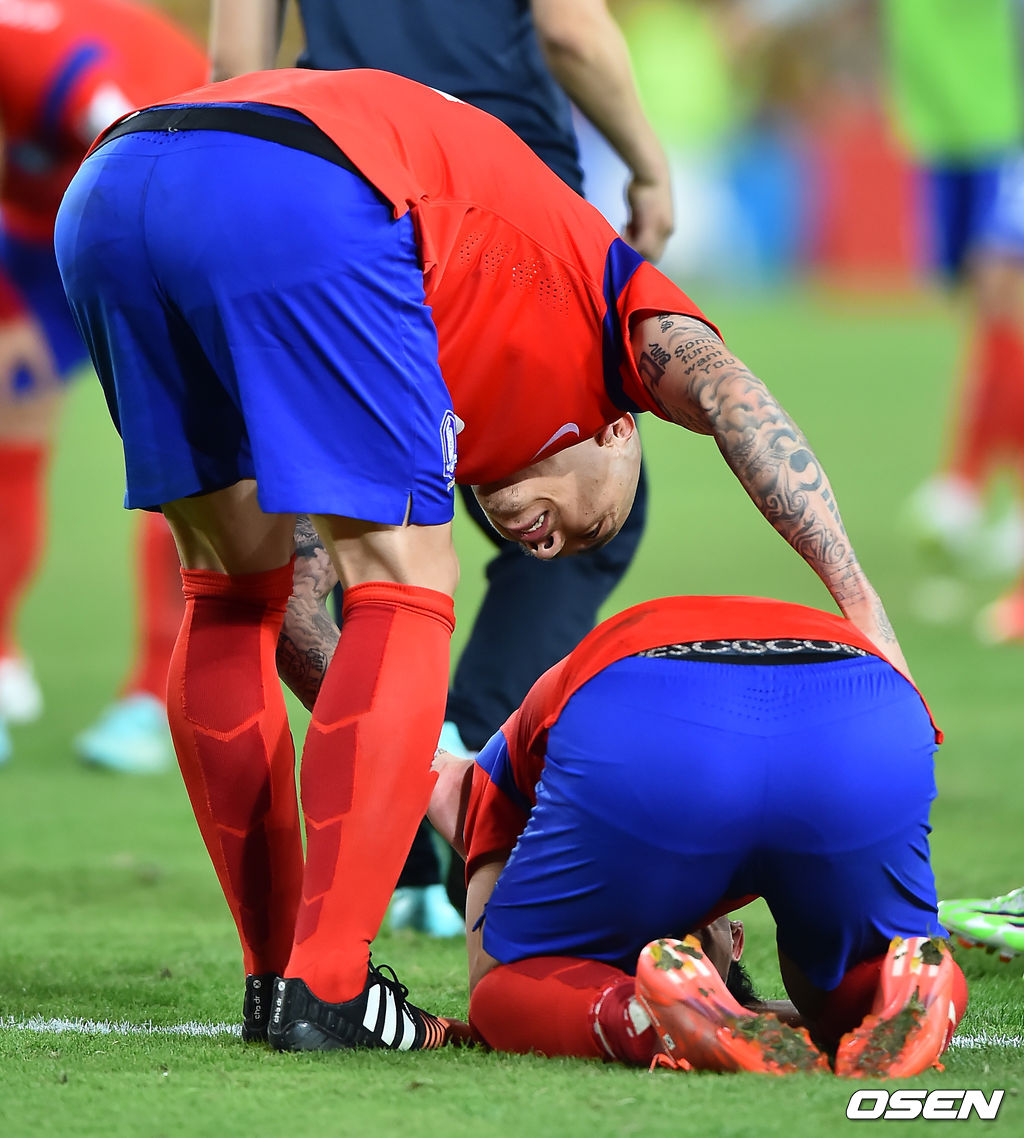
<point>573,501</point>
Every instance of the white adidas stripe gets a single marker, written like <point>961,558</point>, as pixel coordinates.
<point>398,1029</point>
<point>372,1013</point>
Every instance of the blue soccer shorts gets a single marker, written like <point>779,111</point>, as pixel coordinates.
<point>32,267</point>
<point>255,311</point>
<point>978,207</point>
<point>1003,230</point>
<point>671,785</point>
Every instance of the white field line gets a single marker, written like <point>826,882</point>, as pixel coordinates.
<point>58,1026</point>
<point>986,1039</point>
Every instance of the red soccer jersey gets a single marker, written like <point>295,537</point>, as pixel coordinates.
<point>504,783</point>
<point>56,57</point>
<point>532,293</point>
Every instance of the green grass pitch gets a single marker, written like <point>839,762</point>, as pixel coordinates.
<point>110,912</point>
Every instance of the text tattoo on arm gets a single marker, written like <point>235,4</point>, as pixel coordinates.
<point>696,382</point>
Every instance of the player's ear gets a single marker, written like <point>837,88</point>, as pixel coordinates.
<point>737,939</point>
<point>622,429</point>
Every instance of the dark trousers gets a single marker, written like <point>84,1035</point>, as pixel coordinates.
<point>533,613</point>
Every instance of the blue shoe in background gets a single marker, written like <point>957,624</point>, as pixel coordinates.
<point>131,737</point>
<point>425,909</point>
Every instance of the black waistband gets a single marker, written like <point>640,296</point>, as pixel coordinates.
<point>299,135</point>
<point>777,651</point>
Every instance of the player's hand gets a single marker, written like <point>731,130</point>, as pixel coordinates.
<point>449,799</point>
<point>651,218</point>
<point>26,362</point>
<point>872,620</point>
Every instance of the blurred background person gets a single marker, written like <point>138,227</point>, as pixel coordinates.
<point>67,68</point>
<point>756,101</point>
<point>957,92</point>
<point>525,62</point>
<point>957,97</point>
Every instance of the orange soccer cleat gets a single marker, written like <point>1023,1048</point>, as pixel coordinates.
<point>909,1024</point>
<point>701,1026</point>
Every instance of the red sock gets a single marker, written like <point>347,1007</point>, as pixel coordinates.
<point>231,735</point>
<point>366,775</point>
<point>847,1005</point>
<point>990,420</point>
<point>22,510</point>
<point>561,1005</point>
<point>160,606</point>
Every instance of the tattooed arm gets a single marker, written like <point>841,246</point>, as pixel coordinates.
<point>309,635</point>
<point>699,384</point>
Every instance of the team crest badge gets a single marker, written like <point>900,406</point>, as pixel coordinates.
<point>450,427</point>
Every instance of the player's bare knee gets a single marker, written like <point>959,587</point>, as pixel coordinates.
<point>228,532</point>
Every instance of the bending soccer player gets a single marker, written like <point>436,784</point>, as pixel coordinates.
<point>335,294</point>
<point>521,61</point>
<point>691,753</point>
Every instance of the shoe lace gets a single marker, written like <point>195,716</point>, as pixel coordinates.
<point>390,980</point>
<point>436,1031</point>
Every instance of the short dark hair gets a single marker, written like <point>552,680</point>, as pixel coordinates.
<point>740,986</point>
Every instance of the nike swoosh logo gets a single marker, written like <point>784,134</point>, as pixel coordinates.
<point>564,429</point>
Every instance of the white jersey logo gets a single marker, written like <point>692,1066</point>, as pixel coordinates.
<point>445,95</point>
<point>563,430</point>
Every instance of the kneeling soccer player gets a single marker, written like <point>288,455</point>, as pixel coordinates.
<point>690,754</point>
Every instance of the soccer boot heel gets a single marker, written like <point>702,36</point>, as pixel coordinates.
<point>259,994</point>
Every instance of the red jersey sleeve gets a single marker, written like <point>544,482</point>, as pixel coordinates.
<point>493,822</point>
<point>648,292</point>
<point>507,772</point>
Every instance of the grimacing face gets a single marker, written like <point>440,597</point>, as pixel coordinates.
<point>572,501</point>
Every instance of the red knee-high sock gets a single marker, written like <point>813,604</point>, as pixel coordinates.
<point>160,606</point>
<point>561,1005</point>
<point>22,512</point>
<point>848,1004</point>
<point>989,423</point>
<point>231,735</point>
<point>366,775</point>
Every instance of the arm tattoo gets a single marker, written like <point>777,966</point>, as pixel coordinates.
<point>698,383</point>
<point>309,635</point>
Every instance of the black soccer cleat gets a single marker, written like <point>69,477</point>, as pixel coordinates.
<point>380,1016</point>
<point>259,994</point>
